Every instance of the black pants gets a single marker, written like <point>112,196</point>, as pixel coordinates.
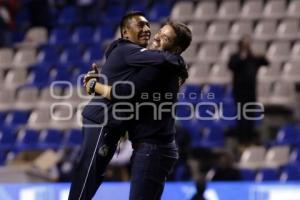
<point>98,148</point>
<point>150,167</point>
<point>245,127</point>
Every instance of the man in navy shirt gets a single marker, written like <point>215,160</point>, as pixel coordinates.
<point>101,130</point>
<point>151,128</point>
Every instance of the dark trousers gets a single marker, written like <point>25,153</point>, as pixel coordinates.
<point>98,148</point>
<point>150,167</point>
<point>245,127</point>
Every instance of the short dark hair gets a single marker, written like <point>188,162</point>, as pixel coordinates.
<point>183,34</point>
<point>243,38</point>
<point>125,19</point>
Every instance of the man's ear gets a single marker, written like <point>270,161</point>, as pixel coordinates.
<point>124,33</point>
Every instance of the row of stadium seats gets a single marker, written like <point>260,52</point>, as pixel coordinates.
<point>229,10</point>
<point>42,77</point>
<point>218,73</point>
<point>287,173</point>
<point>214,31</point>
<point>256,157</point>
<point>210,134</point>
<point>110,14</point>
<point>30,97</point>
<point>48,55</point>
<point>277,51</point>
<point>15,140</point>
<point>24,92</point>
<point>265,89</point>
<point>263,30</point>
<point>113,13</point>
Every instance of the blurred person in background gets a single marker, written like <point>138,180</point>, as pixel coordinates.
<point>200,189</point>
<point>7,20</point>
<point>244,65</point>
<point>224,169</point>
<point>200,161</point>
<point>121,159</point>
<point>39,13</point>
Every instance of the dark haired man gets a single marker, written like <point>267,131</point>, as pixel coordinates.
<point>155,151</point>
<point>244,65</point>
<point>124,57</point>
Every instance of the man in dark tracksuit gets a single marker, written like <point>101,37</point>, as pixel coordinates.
<point>124,58</point>
<point>152,130</point>
<point>244,65</point>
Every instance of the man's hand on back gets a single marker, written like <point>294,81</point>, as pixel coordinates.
<point>94,73</point>
<point>88,84</point>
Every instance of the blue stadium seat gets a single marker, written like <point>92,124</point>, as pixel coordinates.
<point>50,139</point>
<point>48,55</point>
<point>68,16</point>
<point>248,174</point>
<point>74,137</point>
<point>102,33</point>
<point>194,131</point>
<point>184,112</point>
<point>228,113</point>
<point>18,36</point>
<point>93,17</point>
<point>268,174</point>
<point>83,34</point>
<point>191,93</point>
<point>228,94</point>
<point>70,55</point>
<point>17,117</point>
<point>213,93</point>
<point>291,172</point>
<point>2,117</point>
<point>118,2</point>
<point>93,53</point>
<point>2,157</point>
<point>114,14</point>
<point>206,114</point>
<point>139,7</point>
<point>158,12</point>
<point>212,137</point>
<point>81,69</point>
<point>168,2</point>
<point>27,140</point>
<point>295,156</point>
<point>7,137</point>
<point>181,173</point>
<point>288,135</point>
<point>60,36</point>
<point>22,18</point>
<point>62,73</point>
<point>144,3</point>
<point>40,75</point>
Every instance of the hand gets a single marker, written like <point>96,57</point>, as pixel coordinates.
<point>87,85</point>
<point>91,74</point>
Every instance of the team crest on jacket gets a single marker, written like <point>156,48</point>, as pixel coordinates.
<point>103,150</point>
